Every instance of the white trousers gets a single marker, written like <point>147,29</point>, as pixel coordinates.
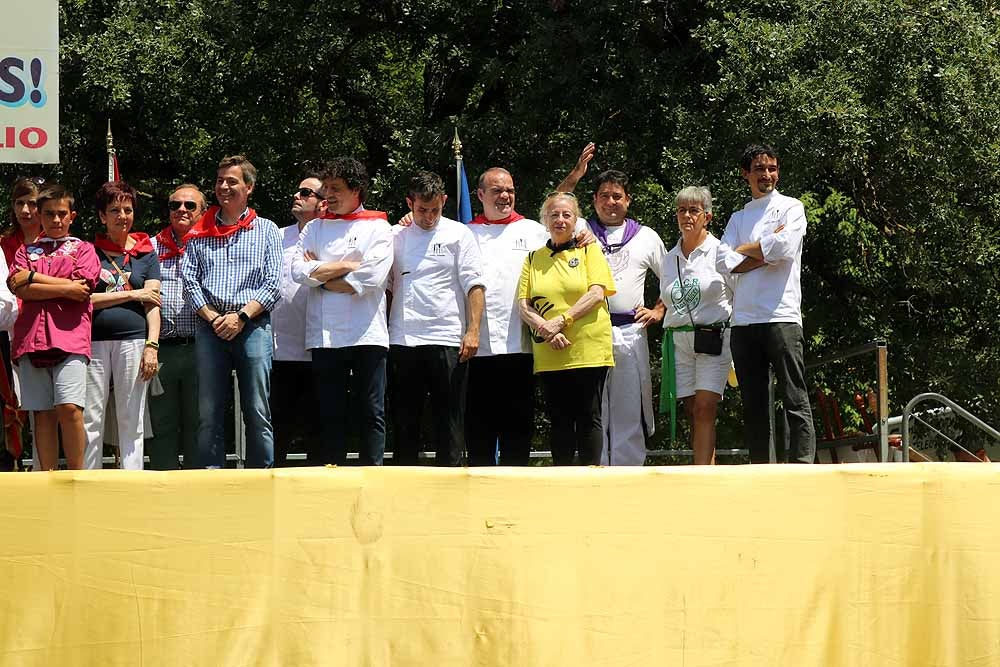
<point>118,359</point>
<point>627,410</point>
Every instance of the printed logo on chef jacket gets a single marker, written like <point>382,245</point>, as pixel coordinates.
<point>520,244</point>
<point>352,241</point>
<point>438,250</point>
<point>687,299</point>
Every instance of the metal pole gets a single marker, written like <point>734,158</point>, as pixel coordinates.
<point>882,397</point>
<point>111,154</point>
<point>955,408</point>
<point>456,146</point>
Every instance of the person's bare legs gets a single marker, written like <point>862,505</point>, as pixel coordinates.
<point>74,439</point>
<point>47,439</point>
<point>701,410</point>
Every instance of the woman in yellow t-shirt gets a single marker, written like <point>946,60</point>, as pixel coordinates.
<point>562,298</point>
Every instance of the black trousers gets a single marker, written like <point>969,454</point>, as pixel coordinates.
<point>500,409</point>
<point>428,371</point>
<point>294,410</point>
<point>362,368</point>
<point>573,404</point>
<point>777,345</point>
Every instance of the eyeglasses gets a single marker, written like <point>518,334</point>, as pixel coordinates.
<point>305,193</point>
<point>188,205</point>
<point>692,211</point>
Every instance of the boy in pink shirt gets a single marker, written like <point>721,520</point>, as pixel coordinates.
<point>53,276</point>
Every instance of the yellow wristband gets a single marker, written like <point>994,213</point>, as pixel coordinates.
<point>153,344</point>
<point>567,321</point>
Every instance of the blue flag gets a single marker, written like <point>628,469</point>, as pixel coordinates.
<point>464,200</point>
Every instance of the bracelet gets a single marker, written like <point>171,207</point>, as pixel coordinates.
<point>153,344</point>
<point>567,321</point>
<point>212,321</point>
<point>31,277</point>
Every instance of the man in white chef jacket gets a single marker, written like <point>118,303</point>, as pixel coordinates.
<point>437,299</point>
<point>763,242</point>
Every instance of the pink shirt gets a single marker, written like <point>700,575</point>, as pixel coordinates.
<point>62,324</point>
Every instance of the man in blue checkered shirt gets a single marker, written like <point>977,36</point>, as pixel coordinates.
<point>232,272</point>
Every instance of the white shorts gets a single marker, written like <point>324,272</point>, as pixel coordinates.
<point>45,388</point>
<point>700,372</point>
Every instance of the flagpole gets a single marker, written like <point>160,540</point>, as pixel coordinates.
<point>456,146</point>
<point>111,154</point>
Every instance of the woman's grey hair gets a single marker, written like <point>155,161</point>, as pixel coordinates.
<point>695,193</point>
<point>550,201</point>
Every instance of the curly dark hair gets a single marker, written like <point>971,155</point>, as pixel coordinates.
<point>753,151</point>
<point>351,171</point>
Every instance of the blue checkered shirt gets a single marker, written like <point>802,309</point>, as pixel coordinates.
<point>176,317</point>
<point>229,272</point>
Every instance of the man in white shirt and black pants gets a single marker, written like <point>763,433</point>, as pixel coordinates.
<point>763,242</point>
<point>291,367</point>
<point>437,303</point>
<point>345,257</point>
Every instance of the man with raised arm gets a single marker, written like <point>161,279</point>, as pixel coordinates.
<point>632,251</point>
<point>232,272</point>
<point>343,261</point>
<point>763,242</point>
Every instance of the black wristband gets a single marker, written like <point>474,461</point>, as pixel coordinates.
<point>244,318</point>
<point>31,277</point>
<point>212,321</point>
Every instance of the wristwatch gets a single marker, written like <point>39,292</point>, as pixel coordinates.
<point>244,318</point>
<point>567,321</point>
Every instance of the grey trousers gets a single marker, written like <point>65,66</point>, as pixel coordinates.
<point>777,345</point>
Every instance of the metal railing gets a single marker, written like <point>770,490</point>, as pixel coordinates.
<point>909,415</point>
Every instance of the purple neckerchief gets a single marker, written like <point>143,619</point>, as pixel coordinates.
<point>601,232</point>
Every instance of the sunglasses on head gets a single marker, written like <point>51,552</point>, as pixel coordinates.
<point>305,193</point>
<point>188,205</point>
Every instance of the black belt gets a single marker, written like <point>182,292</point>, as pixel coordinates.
<point>177,340</point>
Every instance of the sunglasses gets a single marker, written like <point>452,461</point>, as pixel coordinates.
<point>188,205</point>
<point>305,193</point>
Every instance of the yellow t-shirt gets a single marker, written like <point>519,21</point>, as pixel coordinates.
<point>553,285</point>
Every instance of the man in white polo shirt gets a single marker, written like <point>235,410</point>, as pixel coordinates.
<point>344,259</point>
<point>763,241</point>
<point>633,251</point>
<point>437,303</point>
<point>291,367</point>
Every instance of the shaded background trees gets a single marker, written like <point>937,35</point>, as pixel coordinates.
<point>884,113</point>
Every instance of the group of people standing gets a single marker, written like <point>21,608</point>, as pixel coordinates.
<point>341,309</point>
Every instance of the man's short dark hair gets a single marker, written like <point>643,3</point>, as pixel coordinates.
<point>753,151</point>
<point>55,192</point>
<point>611,176</point>
<point>353,173</point>
<point>246,167</point>
<point>425,185</point>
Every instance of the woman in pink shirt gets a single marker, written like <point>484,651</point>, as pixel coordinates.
<point>54,276</point>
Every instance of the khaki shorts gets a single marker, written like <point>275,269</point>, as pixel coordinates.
<point>45,388</point>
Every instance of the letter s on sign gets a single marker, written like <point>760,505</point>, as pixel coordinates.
<point>15,96</point>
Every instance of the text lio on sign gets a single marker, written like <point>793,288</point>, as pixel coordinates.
<point>27,137</point>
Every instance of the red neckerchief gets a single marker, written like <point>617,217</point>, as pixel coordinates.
<point>166,239</point>
<point>207,227</point>
<point>482,220</point>
<point>142,245</point>
<point>357,215</point>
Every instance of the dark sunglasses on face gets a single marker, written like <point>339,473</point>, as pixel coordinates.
<point>305,193</point>
<point>188,205</point>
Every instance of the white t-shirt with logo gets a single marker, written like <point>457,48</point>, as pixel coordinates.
<point>704,292</point>
<point>645,252</point>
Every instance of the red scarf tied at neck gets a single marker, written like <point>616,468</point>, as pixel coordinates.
<point>141,247</point>
<point>166,239</point>
<point>357,215</point>
<point>207,227</point>
<point>482,220</point>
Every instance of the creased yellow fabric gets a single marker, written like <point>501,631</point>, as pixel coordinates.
<point>866,565</point>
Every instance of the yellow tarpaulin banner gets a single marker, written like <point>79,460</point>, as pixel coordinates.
<point>866,565</point>
<point>29,81</point>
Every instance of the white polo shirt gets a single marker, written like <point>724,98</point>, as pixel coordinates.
<point>771,293</point>
<point>288,319</point>
<point>504,249</point>
<point>335,320</point>
<point>706,293</point>
<point>645,252</point>
<point>432,272</point>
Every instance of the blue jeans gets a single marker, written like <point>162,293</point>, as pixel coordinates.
<point>363,367</point>
<point>250,354</point>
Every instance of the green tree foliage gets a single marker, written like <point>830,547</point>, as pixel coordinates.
<point>883,112</point>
